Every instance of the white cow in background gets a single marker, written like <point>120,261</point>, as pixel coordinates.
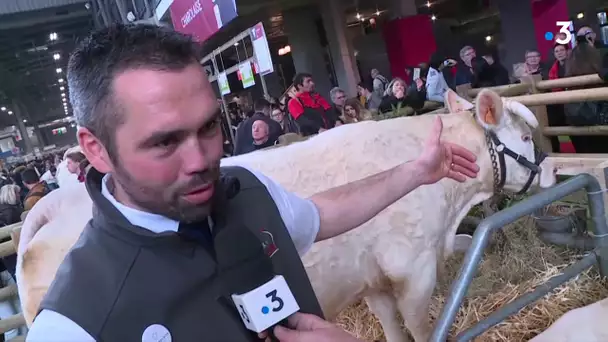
<point>392,260</point>
<point>586,324</point>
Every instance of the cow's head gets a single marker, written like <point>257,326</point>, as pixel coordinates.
<point>508,125</point>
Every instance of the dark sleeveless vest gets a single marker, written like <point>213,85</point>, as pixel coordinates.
<point>119,279</point>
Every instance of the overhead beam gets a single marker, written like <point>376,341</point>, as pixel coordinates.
<point>40,20</point>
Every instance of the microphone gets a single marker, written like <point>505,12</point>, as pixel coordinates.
<point>262,298</point>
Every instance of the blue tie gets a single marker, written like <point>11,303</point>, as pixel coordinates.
<point>199,232</point>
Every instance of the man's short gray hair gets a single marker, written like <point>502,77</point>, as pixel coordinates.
<point>464,50</point>
<point>333,93</point>
<point>8,194</point>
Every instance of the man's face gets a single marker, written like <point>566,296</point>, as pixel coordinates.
<point>339,99</point>
<point>259,130</point>
<point>308,85</point>
<point>169,145</point>
<point>468,56</point>
<point>72,166</point>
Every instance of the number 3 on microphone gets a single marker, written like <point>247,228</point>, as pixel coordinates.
<point>274,298</point>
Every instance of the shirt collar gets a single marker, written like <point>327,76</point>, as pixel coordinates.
<point>153,222</point>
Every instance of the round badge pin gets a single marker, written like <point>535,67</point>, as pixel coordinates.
<point>156,333</point>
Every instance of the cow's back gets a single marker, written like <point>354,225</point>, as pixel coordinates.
<point>49,231</point>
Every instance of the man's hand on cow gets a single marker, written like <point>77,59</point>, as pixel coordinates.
<point>310,328</point>
<point>441,159</point>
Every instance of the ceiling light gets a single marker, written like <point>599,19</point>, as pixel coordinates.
<point>53,36</point>
<point>428,4</point>
<point>62,88</point>
<point>433,17</point>
<point>236,44</point>
<point>3,109</point>
<point>362,19</point>
<point>24,121</point>
<point>377,12</point>
<point>64,99</point>
<point>10,112</point>
<point>61,80</point>
<point>56,56</point>
<point>358,15</point>
<point>488,38</point>
<point>58,70</point>
<point>580,15</point>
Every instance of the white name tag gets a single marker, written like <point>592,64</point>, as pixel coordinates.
<point>266,305</point>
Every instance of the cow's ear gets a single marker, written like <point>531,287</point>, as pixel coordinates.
<point>456,103</point>
<point>489,109</point>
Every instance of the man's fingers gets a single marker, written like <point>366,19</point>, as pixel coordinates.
<point>285,335</point>
<point>306,322</point>
<point>459,177</point>
<point>459,169</point>
<point>470,167</point>
<point>458,150</point>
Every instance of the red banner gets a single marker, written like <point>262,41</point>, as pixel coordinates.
<point>202,18</point>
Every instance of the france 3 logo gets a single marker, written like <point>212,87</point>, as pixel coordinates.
<point>564,35</point>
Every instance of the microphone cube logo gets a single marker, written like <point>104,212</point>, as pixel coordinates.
<point>266,305</point>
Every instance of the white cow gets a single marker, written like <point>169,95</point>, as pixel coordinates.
<point>586,324</point>
<point>392,260</point>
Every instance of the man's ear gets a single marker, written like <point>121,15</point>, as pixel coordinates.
<point>488,109</point>
<point>94,150</point>
<point>456,103</point>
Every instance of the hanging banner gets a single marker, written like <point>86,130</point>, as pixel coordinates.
<point>222,81</point>
<point>261,50</point>
<point>246,75</point>
<point>202,18</point>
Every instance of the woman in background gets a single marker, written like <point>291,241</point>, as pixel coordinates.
<point>396,97</point>
<point>78,164</point>
<point>353,112</point>
<point>584,60</point>
<point>287,124</point>
<point>555,112</point>
<point>10,212</point>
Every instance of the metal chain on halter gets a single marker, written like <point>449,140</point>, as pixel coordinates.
<point>495,169</point>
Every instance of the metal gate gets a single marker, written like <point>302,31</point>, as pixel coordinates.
<point>491,224</point>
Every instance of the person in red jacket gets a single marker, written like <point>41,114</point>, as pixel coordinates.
<point>311,111</point>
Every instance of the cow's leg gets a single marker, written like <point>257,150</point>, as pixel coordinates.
<point>383,305</point>
<point>414,297</point>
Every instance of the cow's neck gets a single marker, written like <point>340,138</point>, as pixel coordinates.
<point>463,130</point>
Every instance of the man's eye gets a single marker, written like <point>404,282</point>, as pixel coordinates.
<point>166,143</point>
<point>211,126</point>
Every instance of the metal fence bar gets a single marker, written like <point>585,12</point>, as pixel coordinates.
<point>530,297</point>
<point>502,218</point>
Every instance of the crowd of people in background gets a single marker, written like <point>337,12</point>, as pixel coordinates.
<point>305,112</point>
<point>23,184</point>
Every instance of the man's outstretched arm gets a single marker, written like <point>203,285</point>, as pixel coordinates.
<point>348,206</point>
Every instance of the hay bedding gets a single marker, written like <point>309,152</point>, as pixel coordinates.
<point>514,263</point>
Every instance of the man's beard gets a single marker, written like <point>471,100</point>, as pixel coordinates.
<point>169,201</point>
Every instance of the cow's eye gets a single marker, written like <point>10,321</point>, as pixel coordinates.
<point>526,138</point>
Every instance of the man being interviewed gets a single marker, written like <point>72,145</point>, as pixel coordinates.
<point>145,266</point>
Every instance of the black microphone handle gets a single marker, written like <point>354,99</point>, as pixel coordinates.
<point>271,334</point>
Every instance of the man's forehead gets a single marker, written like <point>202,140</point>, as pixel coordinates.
<point>144,84</point>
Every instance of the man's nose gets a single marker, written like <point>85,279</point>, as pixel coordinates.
<point>196,158</point>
